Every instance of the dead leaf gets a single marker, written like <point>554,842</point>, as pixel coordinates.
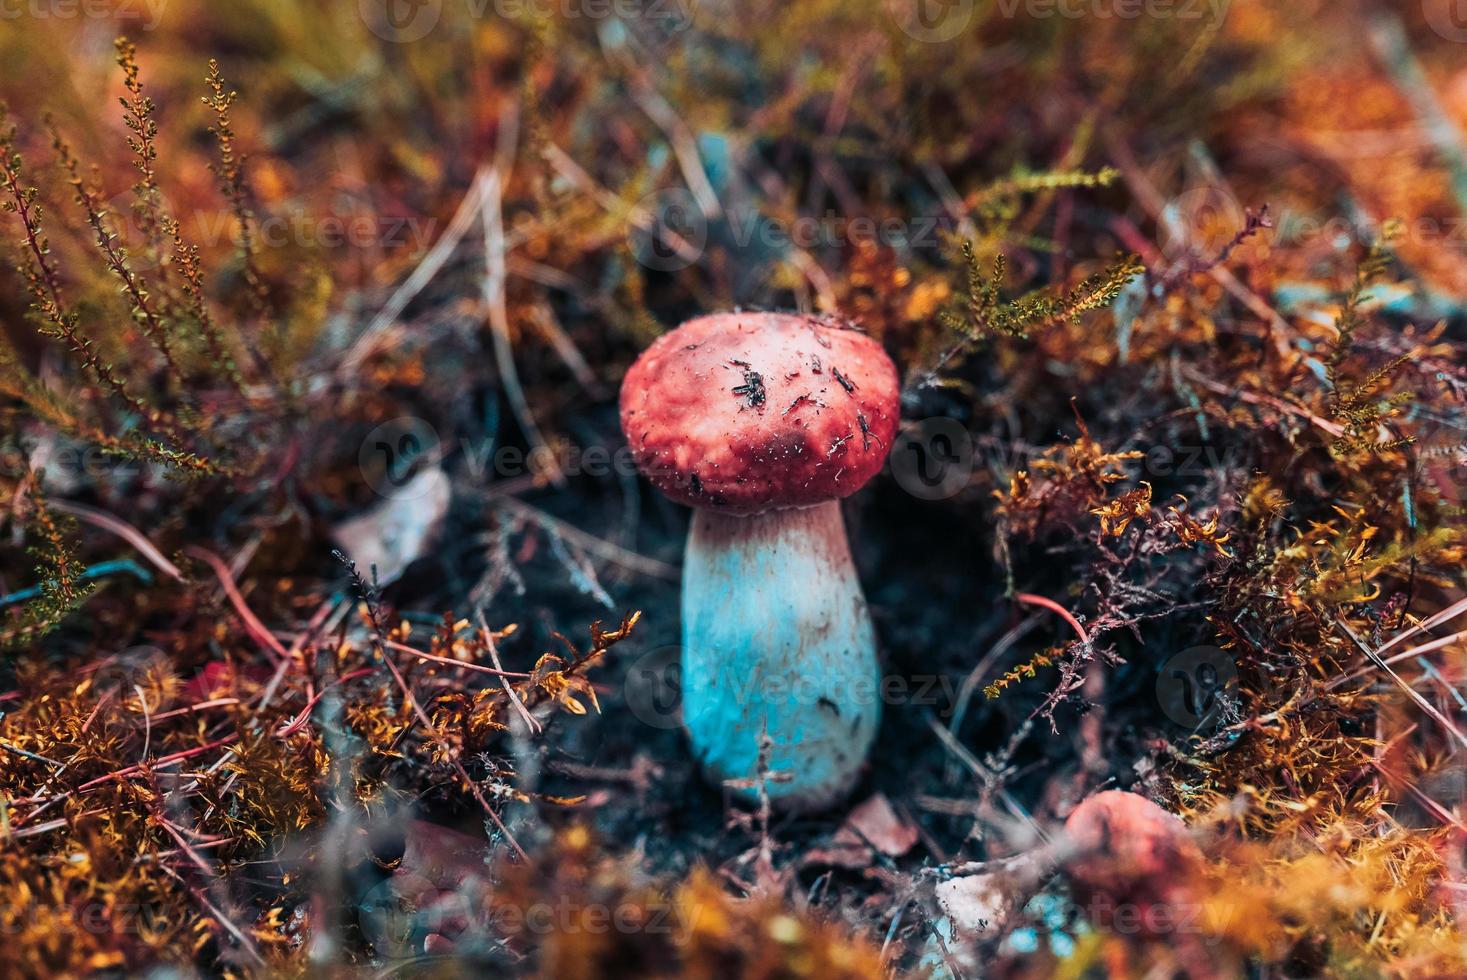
<point>398,531</point>
<point>978,904</point>
<point>874,822</point>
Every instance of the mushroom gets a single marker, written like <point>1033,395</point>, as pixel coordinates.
<point>762,422</point>
<point>1130,859</point>
<point>1132,869</point>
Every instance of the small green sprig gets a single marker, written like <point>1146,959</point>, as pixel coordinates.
<point>58,571</point>
<point>1357,406</point>
<point>986,314</point>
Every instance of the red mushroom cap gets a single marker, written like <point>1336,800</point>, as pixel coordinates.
<point>748,412</point>
<point>1129,852</point>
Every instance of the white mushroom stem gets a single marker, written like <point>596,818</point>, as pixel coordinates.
<point>777,639</point>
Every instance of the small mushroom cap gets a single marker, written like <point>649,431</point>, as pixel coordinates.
<point>748,412</point>
<point>1129,851</point>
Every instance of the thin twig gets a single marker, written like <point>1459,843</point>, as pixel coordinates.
<point>253,626</point>
<point>422,716</point>
<point>422,274</point>
<point>493,288</point>
<point>449,662</point>
<point>488,636</point>
<point>1039,600</point>
<point>596,546</point>
<point>638,216</point>
<point>1421,702</point>
<point>123,530</point>
<point>245,941</point>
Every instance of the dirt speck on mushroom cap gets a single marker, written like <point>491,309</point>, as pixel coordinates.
<point>729,412</point>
